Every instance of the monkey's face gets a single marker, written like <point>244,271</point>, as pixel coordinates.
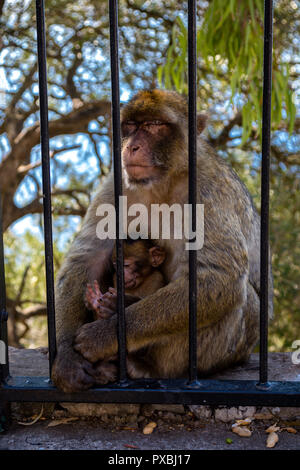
<point>139,262</point>
<point>142,151</point>
<point>134,274</point>
<point>151,135</point>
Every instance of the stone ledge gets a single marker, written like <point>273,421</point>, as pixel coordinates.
<point>34,362</point>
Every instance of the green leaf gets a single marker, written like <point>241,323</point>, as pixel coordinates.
<point>259,6</point>
<point>160,71</point>
<point>232,6</point>
<point>247,36</point>
<point>223,17</point>
<point>292,113</point>
<point>251,6</point>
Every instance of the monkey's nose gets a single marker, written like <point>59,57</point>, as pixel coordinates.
<point>135,148</point>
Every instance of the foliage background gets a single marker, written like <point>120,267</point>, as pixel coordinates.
<point>153,42</point>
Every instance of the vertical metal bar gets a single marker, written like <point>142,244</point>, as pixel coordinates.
<point>192,147</point>
<point>115,93</point>
<point>265,169</point>
<point>5,408</point>
<point>4,368</point>
<point>43,97</point>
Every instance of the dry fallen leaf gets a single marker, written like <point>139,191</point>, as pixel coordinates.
<point>241,431</point>
<point>34,420</point>
<point>292,430</point>
<point>263,416</point>
<point>130,446</point>
<point>272,439</point>
<point>57,422</point>
<point>244,422</point>
<point>149,428</point>
<point>273,428</point>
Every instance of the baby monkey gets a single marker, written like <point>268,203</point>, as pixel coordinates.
<point>142,277</point>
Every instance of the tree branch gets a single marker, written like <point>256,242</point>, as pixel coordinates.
<point>72,123</point>
<point>224,135</point>
<point>23,169</point>
<point>1,7</point>
<point>32,311</point>
<point>36,207</point>
<point>22,285</point>
<point>26,83</point>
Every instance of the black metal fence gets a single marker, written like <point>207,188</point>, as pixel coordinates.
<point>192,391</point>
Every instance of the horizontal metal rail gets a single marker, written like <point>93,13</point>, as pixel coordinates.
<point>209,392</point>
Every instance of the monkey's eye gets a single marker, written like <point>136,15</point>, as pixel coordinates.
<point>128,127</point>
<point>154,127</point>
<point>153,123</point>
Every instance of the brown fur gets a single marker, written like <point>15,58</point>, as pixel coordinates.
<point>143,259</point>
<point>141,278</point>
<point>228,264</point>
<point>151,277</point>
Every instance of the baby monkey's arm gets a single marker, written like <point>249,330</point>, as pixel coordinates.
<point>104,305</point>
<point>92,298</point>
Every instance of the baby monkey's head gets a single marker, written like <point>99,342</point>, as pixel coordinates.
<point>141,257</point>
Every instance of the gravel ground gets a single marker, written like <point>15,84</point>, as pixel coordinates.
<point>96,435</point>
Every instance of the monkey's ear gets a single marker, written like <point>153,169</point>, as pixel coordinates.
<point>201,122</point>
<point>157,256</point>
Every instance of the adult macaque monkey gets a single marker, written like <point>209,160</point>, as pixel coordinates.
<point>155,164</point>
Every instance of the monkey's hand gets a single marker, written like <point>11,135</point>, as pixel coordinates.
<point>97,340</point>
<point>103,305</point>
<point>106,372</point>
<point>92,297</point>
<point>108,304</point>
<point>71,372</point>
